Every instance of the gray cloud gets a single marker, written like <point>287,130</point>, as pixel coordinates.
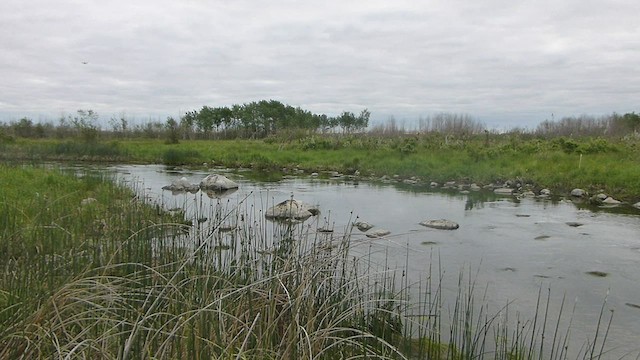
<point>506,63</point>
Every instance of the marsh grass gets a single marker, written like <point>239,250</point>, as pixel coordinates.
<point>607,164</point>
<point>118,278</point>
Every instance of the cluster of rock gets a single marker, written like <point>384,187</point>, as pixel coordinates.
<point>515,187</point>
<point>440,224</point>
<point>213,185</point>
<point>600,199</point>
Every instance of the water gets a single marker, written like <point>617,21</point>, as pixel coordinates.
<point>512,248</point>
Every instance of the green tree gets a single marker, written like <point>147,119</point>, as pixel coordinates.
<point>85,124</point>
<point>187,122</point>
<point>173,131</point>
<point>205,120</point>
<point>632,121</point>
<point>23,128</point>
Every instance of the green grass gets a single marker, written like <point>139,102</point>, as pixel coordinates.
<point>118,278</point>
<point>606,165</point>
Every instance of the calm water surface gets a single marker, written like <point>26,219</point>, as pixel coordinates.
<point>512,248</point>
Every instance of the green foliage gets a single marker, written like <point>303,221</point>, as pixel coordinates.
<point>176,157</point>
<point>173,131</point>
<point>85,124</point>
<point>567,145</point>
<point>408,146</point>
<point>90,150</point>
<point>596,146</point>
<point>549,163</point>
<point>316,142</point>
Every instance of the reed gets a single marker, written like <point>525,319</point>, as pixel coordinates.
<point>120,278</point>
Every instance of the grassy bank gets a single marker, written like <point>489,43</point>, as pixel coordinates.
<point>594,164</point>
<point>89,270</point>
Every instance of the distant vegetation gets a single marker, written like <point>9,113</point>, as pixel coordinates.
<point>263,119</point>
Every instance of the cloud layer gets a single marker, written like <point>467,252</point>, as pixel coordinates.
<point>505,63</point>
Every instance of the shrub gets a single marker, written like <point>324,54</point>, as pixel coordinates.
<point>179,157</point>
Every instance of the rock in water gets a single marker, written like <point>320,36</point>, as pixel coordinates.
<point>441,224</point>
<point>378,233</point>
<point>503,191</point>
<point>180,185</point>
<point>578,193</point>
<point>611,201</point>
<point>545,192</point>
<point>363,226</point>
<point>291,210</point>
<point>217,182</point>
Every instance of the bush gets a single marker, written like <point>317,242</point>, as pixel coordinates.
<point>180,157</point>
<point>598,145</point>
<point>110,151</point>
<point>567,145</point>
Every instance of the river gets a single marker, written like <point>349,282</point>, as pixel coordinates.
<point>513,248</point>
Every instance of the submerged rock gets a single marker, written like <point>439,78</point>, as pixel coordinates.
<point>217,182</point>
<point>363,226</point>
<point>503,191</point>
<point>217,194</point>
<point>378,233</point>
<point>181,185</point>
<point>291,210</point>
<point>441,224</point>
<point>597,273</point>
<point>449,184</point>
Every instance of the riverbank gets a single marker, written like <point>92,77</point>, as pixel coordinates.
<point>559,164</point>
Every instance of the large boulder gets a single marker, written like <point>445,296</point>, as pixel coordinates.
<point>181,185</point>
<point>291,210</point>
<point>441,224</point>
<point>217,182</point>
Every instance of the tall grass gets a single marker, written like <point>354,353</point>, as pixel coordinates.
<point>117,278</point>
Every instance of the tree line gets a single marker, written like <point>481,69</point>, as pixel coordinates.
<point>257,119</point>
<point>262,118</point>
<point>270,117</point>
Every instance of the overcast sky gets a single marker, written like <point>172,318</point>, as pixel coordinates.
<point>506,63</point>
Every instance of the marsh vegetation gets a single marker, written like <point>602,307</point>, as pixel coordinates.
<point>93,269</point>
